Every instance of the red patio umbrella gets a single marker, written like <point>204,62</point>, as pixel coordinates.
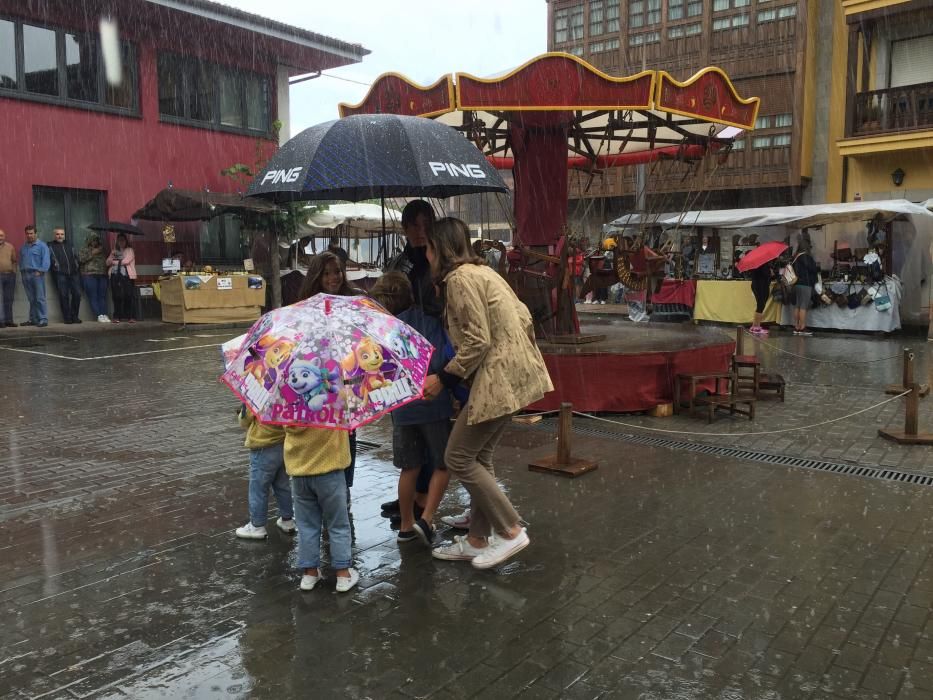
<point>764,253</point>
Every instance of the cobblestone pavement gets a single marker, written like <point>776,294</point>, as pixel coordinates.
<point>664,574</point>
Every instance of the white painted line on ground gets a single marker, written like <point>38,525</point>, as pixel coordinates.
<point>109,357</point>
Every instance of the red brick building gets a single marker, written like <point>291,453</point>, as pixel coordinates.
<point>202,86</point>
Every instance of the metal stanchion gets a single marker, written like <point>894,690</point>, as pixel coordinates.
<point>564,463</point>
<point>909,436</point>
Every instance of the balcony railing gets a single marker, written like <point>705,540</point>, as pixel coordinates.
<point>893,110</point>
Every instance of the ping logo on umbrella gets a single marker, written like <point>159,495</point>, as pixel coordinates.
<point>277,176</point>
<point>454,169</point>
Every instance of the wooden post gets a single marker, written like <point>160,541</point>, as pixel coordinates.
<point>739,346</point>
<point>907,378</point>
<point>910,434</point>
<point>564,463</point>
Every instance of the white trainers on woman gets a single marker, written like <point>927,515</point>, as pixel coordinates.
<point>500,549</point>
<point>345,583</point>
<point>458,550</point>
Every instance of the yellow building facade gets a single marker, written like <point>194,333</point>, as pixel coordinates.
<point>879,93</point>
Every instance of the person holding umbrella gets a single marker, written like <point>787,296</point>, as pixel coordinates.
<point>93,264</point>
<point>493,335</point>
<point>759,262</point>
<point>122,265</point>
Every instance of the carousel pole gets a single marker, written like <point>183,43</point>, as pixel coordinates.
<point>382,237</point>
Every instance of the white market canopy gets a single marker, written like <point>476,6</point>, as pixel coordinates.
<point>791,217</point>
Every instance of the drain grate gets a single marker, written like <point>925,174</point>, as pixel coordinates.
<point>751,455</point>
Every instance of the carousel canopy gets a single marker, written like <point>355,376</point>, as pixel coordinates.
<point>608,120</point>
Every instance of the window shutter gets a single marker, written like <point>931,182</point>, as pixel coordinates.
<point>912,61</point>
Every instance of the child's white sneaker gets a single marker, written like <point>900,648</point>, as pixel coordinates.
<point>251,532</point>
<point>308,582</point>
<point>286,526</point>
<point>345,583</point>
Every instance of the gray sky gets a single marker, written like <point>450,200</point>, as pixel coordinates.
<point>421,39</point>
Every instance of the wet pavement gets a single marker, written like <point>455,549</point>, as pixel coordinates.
<point>664,574</point>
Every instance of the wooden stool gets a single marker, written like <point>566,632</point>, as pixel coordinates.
<point>740,362</point>
<point>772,382</point>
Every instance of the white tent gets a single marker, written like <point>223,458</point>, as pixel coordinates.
<point>911,237</point>
<point>362,219</point>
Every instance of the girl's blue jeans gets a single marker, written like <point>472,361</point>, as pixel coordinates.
<point>267,470</point>
<point>322,500</point>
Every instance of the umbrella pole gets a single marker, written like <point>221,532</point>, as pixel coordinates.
<point>382,198</point>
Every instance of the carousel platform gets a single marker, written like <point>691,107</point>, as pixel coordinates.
<point>633,368</point>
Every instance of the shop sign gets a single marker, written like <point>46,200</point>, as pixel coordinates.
<point>224,283</point>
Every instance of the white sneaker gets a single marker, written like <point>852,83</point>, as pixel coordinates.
<point>601,302</point>
<point>286,526</point>
<point>308,582</point>
<point>458,522</point>
<point>103,319</point>
<point>500,549</point>
<point>251,532</point>
<point>344,584</point>
<point>458,550</point>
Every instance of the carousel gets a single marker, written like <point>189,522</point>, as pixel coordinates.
<point>556,113</point>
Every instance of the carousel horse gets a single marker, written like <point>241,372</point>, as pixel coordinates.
<point>637,267</point>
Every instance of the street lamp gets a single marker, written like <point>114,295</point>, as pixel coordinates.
<point>897,177</point>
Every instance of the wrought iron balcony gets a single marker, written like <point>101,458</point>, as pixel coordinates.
<point>893,110</point>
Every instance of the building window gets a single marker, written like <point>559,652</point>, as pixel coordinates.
<point>787,11</point>
<point>612,16</point>
<point>576,23</point>
<point>763,122</point>
<point>561,20</point>
<point>738,145</point>
<point>67,68</point>
<point>597,47</point>
<point>722,23</point>
<point>575,50</point>
<point>723,5</point>
<point>40,60</point>
<point>596,17</point>
<point>781,140</point>
<point>684,30</point>
<point>8,79</point>
<point>678,9</point>
<point>197,91</point>
<point>761,142</point>
<point>644,38</point>
<point>783,120</point>
<point>81,67</point>
<point>72,210</point>
<point>767,16</point>
<point>643,13</point>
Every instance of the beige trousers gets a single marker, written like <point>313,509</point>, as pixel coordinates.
<point>469,459</point>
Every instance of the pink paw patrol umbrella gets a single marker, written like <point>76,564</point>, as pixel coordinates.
<point>328,362</point>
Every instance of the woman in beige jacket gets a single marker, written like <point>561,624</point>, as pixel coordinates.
<point>493,335</point>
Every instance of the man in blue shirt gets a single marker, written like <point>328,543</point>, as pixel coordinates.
<point>34,261</point>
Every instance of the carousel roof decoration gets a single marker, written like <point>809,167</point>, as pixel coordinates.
<point>608,120</point>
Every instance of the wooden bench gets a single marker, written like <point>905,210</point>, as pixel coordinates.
<point>694,378</point>
<point>730,401</point>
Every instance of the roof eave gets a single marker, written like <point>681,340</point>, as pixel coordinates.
<point>350,52</point>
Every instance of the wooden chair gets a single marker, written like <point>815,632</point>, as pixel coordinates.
<point>744,380</point>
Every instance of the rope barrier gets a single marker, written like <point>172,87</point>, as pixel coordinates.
<point>744,434</point>
<point>816,359</point>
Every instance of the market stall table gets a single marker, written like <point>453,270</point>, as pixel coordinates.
<point>730,301</point>
<point>862,318</point>
<point>212,298</point>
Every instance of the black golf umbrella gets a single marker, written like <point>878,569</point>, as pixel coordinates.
<point>376,155</point>
<point>118,227</point>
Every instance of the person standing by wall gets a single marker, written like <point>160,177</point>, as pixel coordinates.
<point>8,262</point>
<point>806,270</point>
<point>34,262</point>
<point>93,264</point>
<point>66,275</point>
<point>122,264</point>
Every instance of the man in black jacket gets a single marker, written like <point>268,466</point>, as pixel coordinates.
<point>67,276</point>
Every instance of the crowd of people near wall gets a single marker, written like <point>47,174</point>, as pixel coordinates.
<point>88,272</point>
<point>485,368</point>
